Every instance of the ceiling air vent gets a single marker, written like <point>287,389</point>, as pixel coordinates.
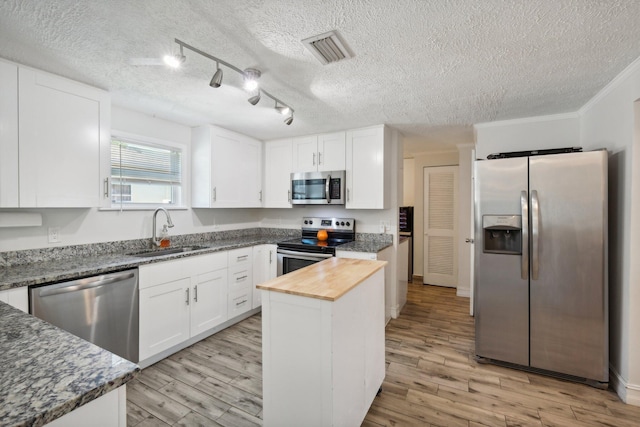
<point>327,47</point>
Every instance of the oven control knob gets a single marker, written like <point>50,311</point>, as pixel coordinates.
<point>342,223</point>
<point>348,224</point>
<point>306,222</point>
<point>310,222</point>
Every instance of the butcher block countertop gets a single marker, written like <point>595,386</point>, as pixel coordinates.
<point>327,280</point>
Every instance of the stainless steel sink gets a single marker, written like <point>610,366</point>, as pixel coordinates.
<point>168,251</point>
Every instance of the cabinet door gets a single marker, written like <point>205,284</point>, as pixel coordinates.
<point>8,135</point>
<point>237,170</point>
<point>277,174</point>
<point>367,159</point>
<point>17,298</point>
<point>164,316</point>
<point>305,154</point>
<point>60,141</point>
<point>209,301</point>
<point>264,269</point>
<point>331,152</point>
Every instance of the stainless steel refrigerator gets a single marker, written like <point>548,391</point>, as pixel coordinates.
<point>541,263</point>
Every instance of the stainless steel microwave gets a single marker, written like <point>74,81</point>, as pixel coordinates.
<point>318,188</point>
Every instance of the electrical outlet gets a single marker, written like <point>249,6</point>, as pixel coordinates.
<point>54,234</point>
<point>384,226</point>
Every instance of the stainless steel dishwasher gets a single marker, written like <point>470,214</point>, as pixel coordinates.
<point>101,309</point>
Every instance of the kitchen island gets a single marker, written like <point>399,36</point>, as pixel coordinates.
<point>48,375</point>
<point>323,343</point>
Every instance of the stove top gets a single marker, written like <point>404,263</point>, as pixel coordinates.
<point>339,231</point>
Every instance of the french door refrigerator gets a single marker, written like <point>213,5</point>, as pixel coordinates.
<point>541,263</point>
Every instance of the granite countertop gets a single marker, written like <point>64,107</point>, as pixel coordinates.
<point>74,267</point>
<point>47,372</point>
<point>370,246</point>
<point>327,280</point>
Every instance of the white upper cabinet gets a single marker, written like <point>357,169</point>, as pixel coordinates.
<point>324,152</point>
<point>226,169</point>
<point>9,195</point>
<point>277,173</point>
<point>368,159</point>
<point>52,134</point>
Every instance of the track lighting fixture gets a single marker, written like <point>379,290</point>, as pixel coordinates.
<point>176,60</point>
<point>250,77</point>
<point>282,109</point>
<point>216,80</point>
<point>253,100</point>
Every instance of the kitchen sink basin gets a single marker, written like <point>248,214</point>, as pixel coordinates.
<point>168,251</point>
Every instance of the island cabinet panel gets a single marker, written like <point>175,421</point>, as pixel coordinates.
<point>323,360</point>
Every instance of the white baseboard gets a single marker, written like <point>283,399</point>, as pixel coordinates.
<point>463,292</point>
<point>628,393</point>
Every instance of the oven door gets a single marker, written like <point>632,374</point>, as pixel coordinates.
<point>289,260</point>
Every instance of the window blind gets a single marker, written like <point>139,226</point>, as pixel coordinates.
<point>134,162</point>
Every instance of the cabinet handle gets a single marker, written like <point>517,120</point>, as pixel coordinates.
<point>260,195</point>
<point>195,293</point>
<point>242,257</point>
<point>214,194</point>
<point>319,159</point>
<point>289,196</point>
<point>271,257</point>
<point>241,302</point>
<point>187,296</point>
<point>241,278</point>
<point>314,159</point>
<point>106,188</point>
<point>347,194</point>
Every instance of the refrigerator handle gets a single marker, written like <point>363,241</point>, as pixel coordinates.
<point>535,234</point>
<point>524,207</point>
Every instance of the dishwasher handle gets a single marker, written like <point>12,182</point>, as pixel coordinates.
<point>88,283</point>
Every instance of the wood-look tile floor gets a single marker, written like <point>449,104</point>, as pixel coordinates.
<point>431,380</point>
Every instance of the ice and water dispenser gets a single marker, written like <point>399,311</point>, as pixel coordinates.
<point>502,234</point>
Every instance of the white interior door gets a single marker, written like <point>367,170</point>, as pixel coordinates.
<point>440,226</point>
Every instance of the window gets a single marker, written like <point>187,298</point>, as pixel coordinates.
<point>145,173</point>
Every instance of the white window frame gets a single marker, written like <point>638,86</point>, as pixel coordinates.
<point>185,179</point>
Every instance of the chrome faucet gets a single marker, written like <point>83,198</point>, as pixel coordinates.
<point>155,240</point>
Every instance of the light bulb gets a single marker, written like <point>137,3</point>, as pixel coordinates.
<point>174,61</point>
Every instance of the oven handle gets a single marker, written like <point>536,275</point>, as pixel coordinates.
<point>304,255</point>
<point>327,187</point>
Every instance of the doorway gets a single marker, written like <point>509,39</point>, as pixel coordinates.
<point>440,248</point>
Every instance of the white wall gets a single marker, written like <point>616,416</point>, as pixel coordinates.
<point>533,133</point>
<point>465,216</point>
<point>610,120</point>
<point>409,190</point>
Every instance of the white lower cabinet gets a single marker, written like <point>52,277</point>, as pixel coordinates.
<point>180,299</point>
<point>265,268</point>
<point>240,281</point>
<point>17,298</point>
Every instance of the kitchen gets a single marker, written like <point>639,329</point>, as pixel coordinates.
<point>591,125</point>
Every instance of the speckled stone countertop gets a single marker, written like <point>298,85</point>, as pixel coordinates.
<point>24,268</point>
<point>46,372</point>
<point>73,262</point>
<point>371,243</point>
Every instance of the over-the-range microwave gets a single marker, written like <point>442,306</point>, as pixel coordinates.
<point>318,188</point>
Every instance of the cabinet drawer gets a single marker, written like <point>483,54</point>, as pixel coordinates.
<point>240,278</point>
<point>239,302</point>
<point>238,257</point>
<point>162,272</point>
<point>208,262</point>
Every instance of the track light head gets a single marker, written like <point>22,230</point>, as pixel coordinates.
<point>176,60</point>
<point>251,76</point>
<point>216,80</point>
<point>254,99</point>
<point>289,119</point>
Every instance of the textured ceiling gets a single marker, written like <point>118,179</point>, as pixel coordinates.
<point>429,68</point>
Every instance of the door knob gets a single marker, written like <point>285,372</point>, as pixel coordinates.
<point>468,240</point>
